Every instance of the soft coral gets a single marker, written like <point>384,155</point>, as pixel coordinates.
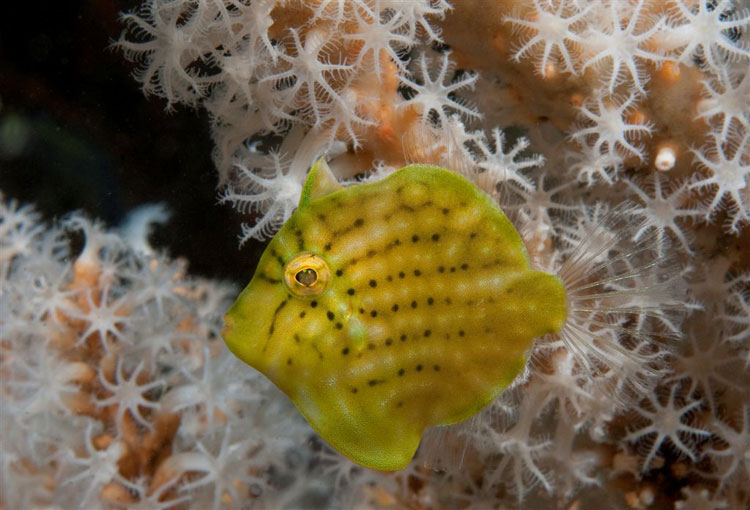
<point>729,165</point>
<point>607,121</point>
<point>621,38</point>
<point>706,32</point>
<point>305,82</point>
<point>554,31</point>
<point>274,192</point>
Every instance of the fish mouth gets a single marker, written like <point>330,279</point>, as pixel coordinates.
<point>228,326</point>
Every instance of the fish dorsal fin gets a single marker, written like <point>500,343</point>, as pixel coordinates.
<point>320,182</point>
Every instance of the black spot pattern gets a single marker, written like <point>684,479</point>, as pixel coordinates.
<point>384,292</point>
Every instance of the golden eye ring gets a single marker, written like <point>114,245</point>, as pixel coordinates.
<point>306,275</point>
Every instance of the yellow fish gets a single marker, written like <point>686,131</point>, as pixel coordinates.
<point>381,309</point>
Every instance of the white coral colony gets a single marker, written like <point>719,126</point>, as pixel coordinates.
<point>117,391</point>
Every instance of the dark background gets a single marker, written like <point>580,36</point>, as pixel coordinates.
<point>76,133</point>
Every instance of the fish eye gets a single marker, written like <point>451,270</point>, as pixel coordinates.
<point>306,277</point>
<point>306,274</point>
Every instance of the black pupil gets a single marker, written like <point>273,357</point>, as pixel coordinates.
<point>306,277</point>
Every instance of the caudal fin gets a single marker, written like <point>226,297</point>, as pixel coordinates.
<point>625,302</point>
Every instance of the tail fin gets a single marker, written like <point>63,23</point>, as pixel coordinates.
<point>625,302</point>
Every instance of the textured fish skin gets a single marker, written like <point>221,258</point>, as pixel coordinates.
<point>429,310</point>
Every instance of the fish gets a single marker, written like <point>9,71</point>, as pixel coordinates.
<point>385,308</point>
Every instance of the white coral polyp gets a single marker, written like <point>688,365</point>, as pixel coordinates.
<point>351,80</point>
<point>275,196</point>
<point>729,167</point>
<point>557,32</point>
<point>605,120</point>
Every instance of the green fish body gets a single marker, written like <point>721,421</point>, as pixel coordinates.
<point>381,309</point>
